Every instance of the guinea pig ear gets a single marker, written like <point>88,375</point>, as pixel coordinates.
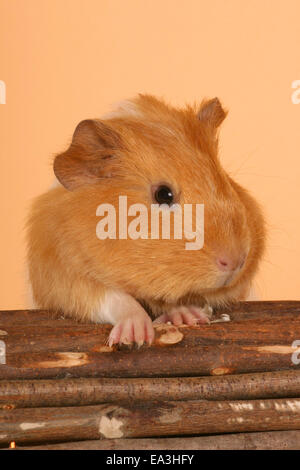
<point>211,113</point>
<point>89,157</point>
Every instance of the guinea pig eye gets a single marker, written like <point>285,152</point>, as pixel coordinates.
<point>164,195</point>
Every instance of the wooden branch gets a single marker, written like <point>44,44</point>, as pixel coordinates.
<point>272,440</point>
<point>241,310</point>
<point>38,346</point>
<point>97,393</point>
<point>147,419</point>
<point>258,309</point>
<point>78,392</point>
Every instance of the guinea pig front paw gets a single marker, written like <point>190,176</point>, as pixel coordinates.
<point>132,329</point>
<point>186,315</point>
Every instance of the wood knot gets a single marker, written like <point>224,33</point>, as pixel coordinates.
<point>221,371</point>
<point>8,406</point>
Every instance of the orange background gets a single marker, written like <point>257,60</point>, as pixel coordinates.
<point>66,60</point>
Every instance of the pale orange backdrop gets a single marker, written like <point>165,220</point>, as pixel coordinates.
<point>66,60</point>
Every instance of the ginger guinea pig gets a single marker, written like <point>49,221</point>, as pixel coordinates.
<point>155,155</point>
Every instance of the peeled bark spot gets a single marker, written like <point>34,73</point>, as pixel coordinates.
<point>8,406</point>
<point>3,333</point>
<point>171,416</point>
<point>222,371</point>
<point>65,359</point>
<point>26,426</point>
<point>170,334</point>
<point>110,428</point>
<point>275,349</point>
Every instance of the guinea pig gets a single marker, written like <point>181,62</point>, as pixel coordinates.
<point>155,155</point>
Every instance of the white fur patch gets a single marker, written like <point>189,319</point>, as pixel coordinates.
<point>55,184</point>
<point>123,109</point>
<point>113,306</point>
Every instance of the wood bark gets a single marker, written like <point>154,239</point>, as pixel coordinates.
<point>147,419</point>
<point>269,440</point>
<point>78,392</point>
<point>252,309</point>
<point>259,338</point>
<point>61,382</point>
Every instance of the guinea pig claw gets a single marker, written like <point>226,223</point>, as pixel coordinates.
<point>186,315</point>
<point>110,341</point>
<point>132,331</point>
<point>162,319</point>
<point>114,336</point>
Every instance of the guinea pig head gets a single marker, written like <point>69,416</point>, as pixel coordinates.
<point>149,162</point>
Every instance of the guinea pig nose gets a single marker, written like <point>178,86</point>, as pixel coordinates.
<point>224,264</point>
<point>230,263</point>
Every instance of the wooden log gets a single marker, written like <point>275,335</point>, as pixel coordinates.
<point>261,309</point>
<point>147,419</point>
<point>26,317</point>
<point>43,347</point>
<point>77,337</point>
<point>240,310</point>
<point>272,440</point>
<point>78,392</point>
<point>173,362</point>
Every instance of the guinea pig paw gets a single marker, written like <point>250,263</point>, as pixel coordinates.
<point>186,315</point>
<point>136,329</point>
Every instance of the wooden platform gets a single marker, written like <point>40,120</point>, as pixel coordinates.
<point>228,385</point>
